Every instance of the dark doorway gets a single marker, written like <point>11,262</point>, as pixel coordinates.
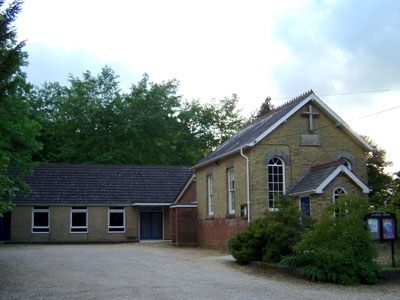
<point>305,207</point>
<point>151,225</point>
<point>5,227</point>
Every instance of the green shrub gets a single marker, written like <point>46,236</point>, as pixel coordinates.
<point>338,249</point>
<point>270,237</point>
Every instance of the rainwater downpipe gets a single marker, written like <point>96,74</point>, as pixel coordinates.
<point>248,184</point>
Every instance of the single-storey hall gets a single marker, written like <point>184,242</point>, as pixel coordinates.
<point>99,203</point>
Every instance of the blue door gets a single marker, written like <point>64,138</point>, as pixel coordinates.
<point>151,225</point>
<point>5,227</point>
<point>305,206</point>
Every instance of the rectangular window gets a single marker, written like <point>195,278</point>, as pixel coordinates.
<point>78,220</point>
<point>231,188</point>
<point>210,195</point>
<point>116,219</point>
<point>40,219</point>
<point>243,210</point>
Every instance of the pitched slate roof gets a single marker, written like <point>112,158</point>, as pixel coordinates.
<point>53,184</point>
<point>250,132</point>
<point>253,133</point>
<point>318,177</point>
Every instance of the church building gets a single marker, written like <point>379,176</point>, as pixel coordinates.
<point>301,148</point>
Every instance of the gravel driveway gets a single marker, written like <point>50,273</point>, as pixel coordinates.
<point>150,271</point>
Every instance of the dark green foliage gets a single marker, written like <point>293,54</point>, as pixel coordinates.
<point>17,131</point>
<point>338,249</point>
<point>93,121</point>
<point>380,182</point>
<point>270,237</point>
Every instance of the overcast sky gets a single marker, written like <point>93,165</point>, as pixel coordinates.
<point>215,48</point>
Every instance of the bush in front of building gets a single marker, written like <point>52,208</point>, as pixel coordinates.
<point>271,237</point>
<point>339,247</point>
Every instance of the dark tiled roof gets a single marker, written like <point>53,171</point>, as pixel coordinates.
<point>314,177</point>
<point>104,184</point>
<point>250,132</point>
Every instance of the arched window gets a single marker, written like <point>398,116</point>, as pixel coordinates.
<point>276,180</point>
<point>346,163</point>
<point>336,194</point>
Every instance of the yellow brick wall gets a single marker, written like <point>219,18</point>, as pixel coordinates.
<point>220,186</point>
<point>286,138</point>
<point>21,220</point>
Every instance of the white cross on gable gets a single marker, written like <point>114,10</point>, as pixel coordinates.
<point>310,114</point>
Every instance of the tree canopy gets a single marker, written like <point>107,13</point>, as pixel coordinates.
<point>18,132</point>
<point>92,121</point>
<point>379,181</point>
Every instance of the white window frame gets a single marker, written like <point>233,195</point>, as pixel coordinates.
<point>84,229</point>
<point>116,210</point>
<point>231,190</point>
<point>210,198</point>
<point>36,209</point>
<point>346,163</point>
<point>336,195</point>
<point>274,192</point>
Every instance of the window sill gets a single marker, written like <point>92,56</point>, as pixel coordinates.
<point>230,215</point>
<point>211,217</point>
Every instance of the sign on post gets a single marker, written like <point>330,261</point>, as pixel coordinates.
<point>382,226</point>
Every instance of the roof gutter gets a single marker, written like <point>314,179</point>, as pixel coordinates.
<point>218,157</point>
<point>248,184</point>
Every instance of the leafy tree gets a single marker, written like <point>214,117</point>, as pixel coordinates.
<point>396,188</point>
<point>265,108</point>
<point>271,237</point>
<point>92,121</point>
<point>338,249</point>
<point>18,132</point>
<point>378,180</point>
<point>209,125</point>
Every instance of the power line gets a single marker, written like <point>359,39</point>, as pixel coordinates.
<point>342,94</point>
<point>335,125</point>
<point>377,113</point>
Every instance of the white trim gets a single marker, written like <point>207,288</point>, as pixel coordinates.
<point>78,210</point>
<point>219,156</point>
<point>333,175</point>
<point>116,210</point>
<point>248,184</point>
<point>69,204</point>
<point>150,204</point>
<point>181,205</point>
<point>282,120</point>
<point>340,122</point>
<point>283,180</point>
<point>210,195</point>
<point>339,187</point>
<point>40,210</point>
<point>315,98</point>
<point>186,187</point>
<point>300,194</point>
<point>231,191</point>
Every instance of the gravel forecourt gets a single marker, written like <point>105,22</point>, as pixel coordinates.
<point>154,271</point>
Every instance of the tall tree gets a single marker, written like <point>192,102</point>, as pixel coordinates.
<point>379,181</point>
<point>92,121</point>
<point>17,131</point>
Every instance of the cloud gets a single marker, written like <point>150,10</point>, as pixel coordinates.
<point>338,46</point>
<point>48,64</point>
